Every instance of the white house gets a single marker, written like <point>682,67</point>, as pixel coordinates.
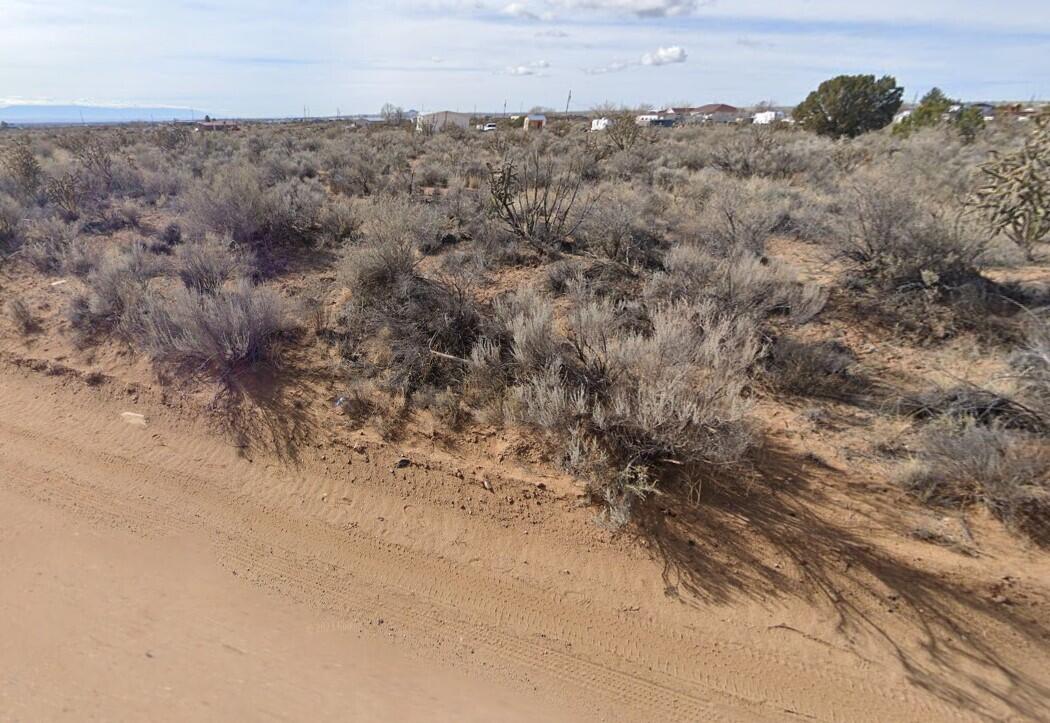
<point>767,117</point>
<point>439,121</point>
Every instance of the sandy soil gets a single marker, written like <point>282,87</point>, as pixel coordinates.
<point>153,569</point>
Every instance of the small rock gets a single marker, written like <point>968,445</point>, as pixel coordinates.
<point>134,419</point>
<point>486,484</point>
<point>402,463</point>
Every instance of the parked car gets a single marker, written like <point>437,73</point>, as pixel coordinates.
<point>488,127</point>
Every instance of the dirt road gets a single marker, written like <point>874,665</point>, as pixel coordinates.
<point>152,569</point>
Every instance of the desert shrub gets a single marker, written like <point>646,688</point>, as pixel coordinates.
<point>959,465</point>
<point>337,222</point>
<point>822,369</point>
<point>970,402</point>
<point>726,214</point>
<point>433,175</point>
<point>619,403</point>
<point>78,258</point>
<point>618,228</point>
<point>899,242</point>
<point>292,211</point>
<point>755,151</point>
<point>11,215</point>
<point>398,221</point>
<point>20,315</point>
<point>219,333</point>
<point>413,330</point>
<point>1031,365</point>
<point>562,274</point>
<point>112,290</point>
<point>205,265</point>
<point>46,242</point>
<point>233,204</point>
<point>166,239</point>
<point>540,202</point>
<point>741,285</point>
<point>113,217</point>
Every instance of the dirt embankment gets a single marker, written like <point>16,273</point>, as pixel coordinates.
<point>155,568</point>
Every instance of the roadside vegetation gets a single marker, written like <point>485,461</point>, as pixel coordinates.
<point>614,296</point>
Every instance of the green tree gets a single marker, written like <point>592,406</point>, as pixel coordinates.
<point>934,109</point>
<point>969,122</point>
<point>850,105</point>
<point>930,112</point>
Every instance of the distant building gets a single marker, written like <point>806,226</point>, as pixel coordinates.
<point>987,110</point>
<point>767,117</point>
<point>716,113</point>
<point>217,125</point>
<point>535,122</point>
<point>439,121</point>
<point>656,119</point>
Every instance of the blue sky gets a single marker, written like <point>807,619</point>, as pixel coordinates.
<point>266,58</point>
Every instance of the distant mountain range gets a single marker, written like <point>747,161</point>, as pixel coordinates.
<point>92,114</point>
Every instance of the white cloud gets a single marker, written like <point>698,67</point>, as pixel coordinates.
<point>642,8</point>
<point>534,68</point>
<point>521,10</point>
<point>660,56</point>
<point>613,67</point>
<point>665,56</point>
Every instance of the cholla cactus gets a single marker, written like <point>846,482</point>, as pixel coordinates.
<point>21,164</point>
<point>1015,193</point>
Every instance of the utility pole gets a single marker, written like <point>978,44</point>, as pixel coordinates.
<point>568,101</point>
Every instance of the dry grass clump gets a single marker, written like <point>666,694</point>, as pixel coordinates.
<point>205,265</point>
<point>21,317</point>
<point>1008,473</point>
<point>971,402</point>
<point>11,216</point>
<point>399,221</point>
<point>46,242</point>
<point>1031,364</point>
<point>738,285</point>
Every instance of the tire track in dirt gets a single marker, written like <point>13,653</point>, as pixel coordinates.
<point>525,633</point>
